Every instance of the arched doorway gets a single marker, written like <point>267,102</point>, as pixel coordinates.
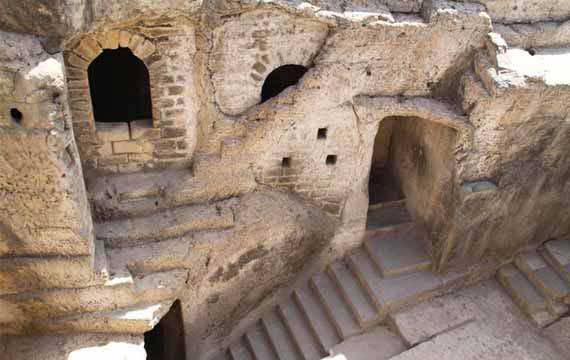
<point>120,87</point>
<point>281,78</point>
<point>411,171</point>
<point>166,340</point>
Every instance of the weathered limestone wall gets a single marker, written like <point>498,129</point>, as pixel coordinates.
<point>424,163</point>
<point>520,116</point>
<point>526,11</point>
<point>263,192</point>
<point>44,213</point>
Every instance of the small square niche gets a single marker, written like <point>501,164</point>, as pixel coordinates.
<point>286,162</point>
<point>322,133</point>
<point>331,160</point>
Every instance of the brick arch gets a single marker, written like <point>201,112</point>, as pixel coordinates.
<point>80,56</point>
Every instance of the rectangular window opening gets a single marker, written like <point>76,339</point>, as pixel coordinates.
<point>331,160</point>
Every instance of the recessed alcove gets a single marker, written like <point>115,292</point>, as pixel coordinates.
<point>16,115</point>
<point>331,160</point>
<point>280,79</point>
<point>119,85</point>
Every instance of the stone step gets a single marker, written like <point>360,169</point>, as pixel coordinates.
<point>398,250</point>
<point>24,274</point>
<point>134,186</point>
<point>543,277</point>
<point>163,225</point>
<point>121,196</point>
<point>368,275</point>
<point>317,317</point>
<point>300,331</point>
<point>353,294</point>
<point>161,256</point>
<point>388,214</point>
<point>280,339</point>
<point>338,311</point>
<point>118,292</point>
<point>525,295</point>
<point>259,344</point>
<point>239,351</point>
<point>557,254</point>
<point>134,320</point>
<point>394,292</point>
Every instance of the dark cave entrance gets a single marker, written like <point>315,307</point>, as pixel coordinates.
<point>383,185</point>
<point>166,340</point>
<point>281,78</point>
<point>119,84</point>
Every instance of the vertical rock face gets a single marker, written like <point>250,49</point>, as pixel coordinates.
<point>218,196</point>
<point>43,204</point>
<point>44,17</point>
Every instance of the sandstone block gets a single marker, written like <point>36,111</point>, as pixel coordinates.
<point>110,40</point>
<point>75,61</point>
<point>88,48</point>
<point>127,147</point>
<point>113,160</point>
<point>144,50</point>
<point>135,41</point>
<point>143,130</point>
<point>107,132</point>
<point>105,150</point>
<point>124,38</point>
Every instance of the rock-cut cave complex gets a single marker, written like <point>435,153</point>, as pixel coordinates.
<point>284,179</point>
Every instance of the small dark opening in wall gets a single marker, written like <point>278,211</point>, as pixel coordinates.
<point>532,51</point>
<point>331,160</point>
<point>281,78</point>
<point>166,340</point>
<point>16,115</point>
<point>286,162</point>
<point>322,133</point>
<point>119,84</point>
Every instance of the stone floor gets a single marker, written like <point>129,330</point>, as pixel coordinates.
<point>482,323</point>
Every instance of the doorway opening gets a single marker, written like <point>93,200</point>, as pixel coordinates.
<point>383,185</point>
<point>411,171</point>
<point>280,79</point>
<point>166,340</point>
<point>119,84</point>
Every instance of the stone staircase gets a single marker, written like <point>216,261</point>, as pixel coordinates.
<point>350,297</point>
<point>143,230</point>
<point>539,281</point>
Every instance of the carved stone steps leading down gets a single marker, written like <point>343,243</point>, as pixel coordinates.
<point>25,274</point>
<point>136,319</point>
<point>123,196</point>
<point>349,297</point>
<point>119,292</point>
<point>165,224</point>
<point>112,290</point>
<point>538,283</point>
